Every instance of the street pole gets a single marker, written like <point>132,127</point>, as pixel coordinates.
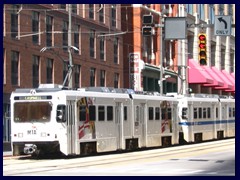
<point>161,59</point>
<point>70,80</point>
<point>160,47</point>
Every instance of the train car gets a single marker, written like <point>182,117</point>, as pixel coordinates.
<point>207,117</point>
<point>51,119</point>
<point>154,120</point>
<point>70,121</point>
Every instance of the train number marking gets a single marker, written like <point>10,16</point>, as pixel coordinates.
<point>29,132</point>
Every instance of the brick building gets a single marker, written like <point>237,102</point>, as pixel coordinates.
<point>31,28</point>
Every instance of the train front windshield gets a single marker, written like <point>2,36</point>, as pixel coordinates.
<point>32,112</point>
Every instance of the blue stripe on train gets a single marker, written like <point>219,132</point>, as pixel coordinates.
<point>206,122</point>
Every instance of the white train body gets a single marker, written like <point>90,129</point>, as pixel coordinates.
<point>81,122</point>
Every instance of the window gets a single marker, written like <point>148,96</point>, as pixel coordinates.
<point>101,13</point>
<point>92,77</point>
<point>49,29</point>
<point>114,14</point>
<point>157,113</point>
<point>14,20</point>
<point>35,71</point>
<point>116,80</point>
<point>233,112</point>
<point>65,71</point>
<point>40,112</point>
<point>102,47</point>
<point>195,115</point>
<point>150,113</point>
<point>221,9</point>
<point>115,50</point>
<point>82,112</point>
<point>35,27</point>
<point>200,113</point>
<point>212,13</point>
<point>74,8</point>
<point>91,11</point>
<point>101,113</point>
<point>77,75</point>
<point>184,113</point>
<point>49,70</point>
<point>216,112</point>
<point>92,113</point>
<point>102,78</point>
<point>76,38</point>
<point>169,113</point>
<point>109,113</point>
<point>204,113</point>
<point>125,113</point>
<point>92,43</point>
<point>208,112</point>
<point>190,8</point>
<point>65,35</point>
<point>14,67</point>
<point>62,6</point>
<point>201,11</point>
<point>230,9</point>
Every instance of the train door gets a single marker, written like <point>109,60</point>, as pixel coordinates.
<point>71,127</point>
<point>224,119</point>
<point>214,118</point>
<point>143,124</point>
<point>119,125</point>
<point>175,128</point>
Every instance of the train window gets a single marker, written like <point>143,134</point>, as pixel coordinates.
<point>109,113</point>
<point>195,113</point>
<point>125,113</point>
<point>92,113</point>
<point>164,113</point>
<point>216,112</point>
<point>233,112</point>
<point>169,113</point>
<point>200,112</point>
<point>101,113</point>
<point>157,113</point>
<point>82,113</point>
<point>230,112</point>
<point>61,114</point>
<point>32,112</point>
<point>209,112</point>
<point>204,113</point>
<point>184,113</point>
<point>150,113</point>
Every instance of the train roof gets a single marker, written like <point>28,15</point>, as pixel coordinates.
<point>119,92</point>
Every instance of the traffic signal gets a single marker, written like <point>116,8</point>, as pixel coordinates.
<point>147,19</point>
<point>147,31</point>
<point>202,49</point>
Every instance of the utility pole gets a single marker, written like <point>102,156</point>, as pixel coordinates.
<point>70,80</point>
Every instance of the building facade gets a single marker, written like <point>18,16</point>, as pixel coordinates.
<point>179,58</point>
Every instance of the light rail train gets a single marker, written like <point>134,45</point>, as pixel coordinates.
<point>51,119</point>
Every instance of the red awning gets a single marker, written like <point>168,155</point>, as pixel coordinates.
<point>231,80</point>
<point>217,82</point>
<point>227,85</point>
<point>197,74</point>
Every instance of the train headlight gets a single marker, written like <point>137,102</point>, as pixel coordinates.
<point>43,134</point>
<point>20,135</point>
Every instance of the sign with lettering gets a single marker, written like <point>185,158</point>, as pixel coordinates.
<point>222,25</point>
